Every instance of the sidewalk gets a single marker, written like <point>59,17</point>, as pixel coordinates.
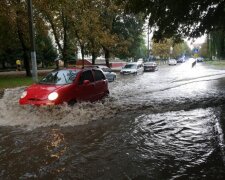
<point>23,73</point>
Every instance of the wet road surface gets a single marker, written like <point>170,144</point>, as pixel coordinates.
<point>167,124</point>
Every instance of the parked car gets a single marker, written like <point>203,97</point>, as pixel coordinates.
<point>172,62</point>
<point>150,66</point>
<point>132,68</point>
<point>67,85</point>
<point>111,76</point>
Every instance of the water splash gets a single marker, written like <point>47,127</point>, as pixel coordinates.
<point>149,92</point>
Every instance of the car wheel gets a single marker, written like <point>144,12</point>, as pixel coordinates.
<point>106,93</point>
<point>72,102</point>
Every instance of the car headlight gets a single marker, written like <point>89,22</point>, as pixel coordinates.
<point>53,96</point>
<point>23,94</point>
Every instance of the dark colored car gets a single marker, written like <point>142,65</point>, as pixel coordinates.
<point>150,66</point>
<point>111,76</point>
<point>67,85</point>
<point>181,60</point>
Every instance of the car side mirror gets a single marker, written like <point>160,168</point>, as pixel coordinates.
<point>86,82</point>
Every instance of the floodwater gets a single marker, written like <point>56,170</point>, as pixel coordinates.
<point>167,124</point>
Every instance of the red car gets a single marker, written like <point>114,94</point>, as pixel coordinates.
<point>67,85</point>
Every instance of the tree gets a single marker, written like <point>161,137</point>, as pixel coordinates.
<point>181,49</point>
<point>162,48</point>
<point>9,43</point>
<point>46,52</point>
<point>203,52</point>
<point>180,18</point>
<point>129,29</point>
<point>216,44</point>
<point>58,15</point>
<point>15,11</point>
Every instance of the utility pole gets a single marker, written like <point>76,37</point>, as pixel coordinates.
<point>32,42</point>
<point>148,51</point>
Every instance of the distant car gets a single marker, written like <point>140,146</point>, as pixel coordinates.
<point>111,76</point>
<point>132,68</point>
<point>172,62</point>
<point>200,59</point>
<point>141,61</point>
<point>67,85</point>
<point>180,60</point>
<point>150,66</point>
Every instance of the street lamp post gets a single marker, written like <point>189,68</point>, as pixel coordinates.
<point>171,51</point>
<point>148,43</point>
<point>32,42</point>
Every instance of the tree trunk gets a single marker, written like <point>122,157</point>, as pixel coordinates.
<point>26,63</point>
<point>223,45</point>
<point>3,63</point>
<point>93,58</point>
<point>107,56</point>
<point>64,56</point>
<point>82,51</point>
<point>25,49</point>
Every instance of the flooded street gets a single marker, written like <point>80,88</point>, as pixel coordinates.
<point>167,124</point>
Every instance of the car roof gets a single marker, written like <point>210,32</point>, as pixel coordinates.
<point>102,66</point>
<point>150,62</point>
<point>133,63</point>
<point>79,68</point>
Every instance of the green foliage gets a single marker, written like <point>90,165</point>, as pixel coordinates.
<point>173,18</point>
<point>216,44</point>
<point>10,49</point>
<point>46,52</point>
<point>97,27</point>
<point>162,49</point>
<point>203,52</point>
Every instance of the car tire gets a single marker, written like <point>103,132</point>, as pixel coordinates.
<point>106,94</point>
<point>72,102</point>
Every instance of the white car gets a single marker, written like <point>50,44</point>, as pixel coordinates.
<point>111,76</point>
<point>150,66</point>
<point>172,62</point>
<point>132,68</point>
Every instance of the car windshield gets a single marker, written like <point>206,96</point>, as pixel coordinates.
<point>105,69</point>
<point>150,63</point>
<point>60,77</point>
<point>130,66</point>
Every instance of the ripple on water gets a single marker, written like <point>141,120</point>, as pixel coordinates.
<point>183,139</point>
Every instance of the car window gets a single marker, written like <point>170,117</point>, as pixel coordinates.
<point>98,75</point>
<point>86,75</point>
<point>106,69</point>
<point>130,66</point>
<point>59,77</point>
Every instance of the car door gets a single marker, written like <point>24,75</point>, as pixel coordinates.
<point>86,86</point>
<point>100,84</point>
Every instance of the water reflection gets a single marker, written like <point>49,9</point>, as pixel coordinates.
<point>163,125</point>
<point>56,146</point>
